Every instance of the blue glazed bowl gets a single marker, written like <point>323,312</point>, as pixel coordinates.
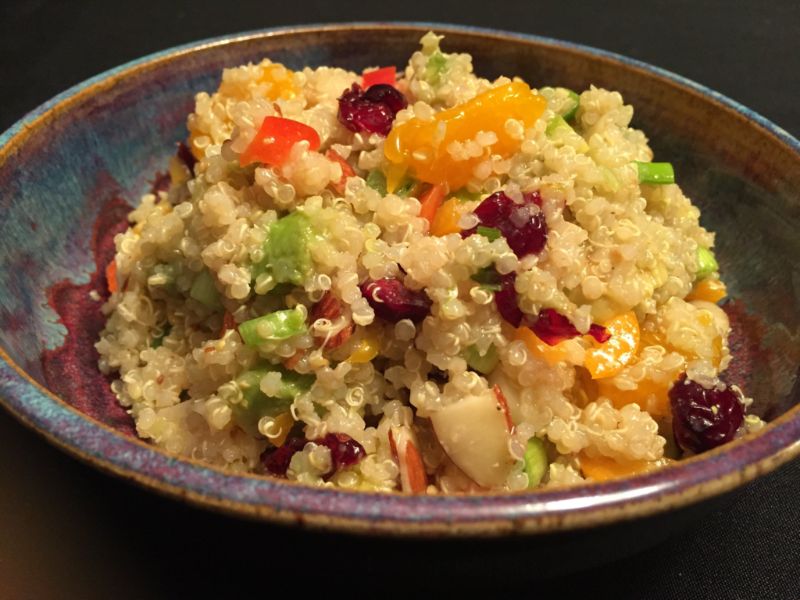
<point>70,170</point>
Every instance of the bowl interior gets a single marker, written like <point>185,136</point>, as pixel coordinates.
<point>68,181</point>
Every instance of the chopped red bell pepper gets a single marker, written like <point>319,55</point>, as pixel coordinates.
<point>387,75</point>
<point>274,141</point>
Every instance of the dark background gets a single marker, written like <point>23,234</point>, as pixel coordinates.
<point>67,531</point>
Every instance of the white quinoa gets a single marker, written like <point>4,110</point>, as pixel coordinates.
<point>614,245</point>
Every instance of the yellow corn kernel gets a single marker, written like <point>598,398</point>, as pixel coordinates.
<point>366,349</point>
<point>283,423</point>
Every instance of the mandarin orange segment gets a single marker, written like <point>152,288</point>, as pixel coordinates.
<point>649,395</point>
<point>609,358</point>
<point>423,146</point>
<point>602,468</point>
<point>447,218</point>
<point>709,289</point>
<point>550,354</point>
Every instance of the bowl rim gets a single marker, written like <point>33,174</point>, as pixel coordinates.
<point>487,514</point>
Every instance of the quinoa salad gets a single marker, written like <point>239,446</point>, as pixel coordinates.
<point>419,280</point>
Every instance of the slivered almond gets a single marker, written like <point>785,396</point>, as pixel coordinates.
<point>413,479</point>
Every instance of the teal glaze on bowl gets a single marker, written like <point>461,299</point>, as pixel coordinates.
<point>69,170</point>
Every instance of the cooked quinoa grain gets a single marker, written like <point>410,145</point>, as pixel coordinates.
<point>317,299</point>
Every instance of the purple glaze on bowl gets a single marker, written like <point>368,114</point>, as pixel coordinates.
<point>68,170</point>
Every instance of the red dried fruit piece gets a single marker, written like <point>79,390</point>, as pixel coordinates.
<point>392,301</point>
<point>599,333</point>
<point>523,225</point>
<point>505,299</point>
<point>704,418</point>
<point>345,451</point>
<point>276,460</point>
<point>372,111</point>
<point>552,327</point>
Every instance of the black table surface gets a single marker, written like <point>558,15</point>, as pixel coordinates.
<point>67,531</point>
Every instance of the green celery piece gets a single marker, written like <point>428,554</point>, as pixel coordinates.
<point>464,195</point>
<point>569,113</point>
<point>435,67</point>
<point>256,404</point>
<point>287,254</point>
<point>555,124</point>
<point>205,291</point>
<point>655,173</point>
<point>535,461</point>
<point>560,131</point>
<point>490,233</point>
<point>377,181</point>
<point>488,278</point>
<point>405,187</point>
<point>282,324</point>
<point>706,262</point>
<point>482,363</point>
<point>166,273</point>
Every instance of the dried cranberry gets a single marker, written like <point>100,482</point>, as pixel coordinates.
<point>185,156</point>
<point>392,301</point>
<point>505,299</point>
<point>386,94</point>
<point>372,111</point>
<point>552,327</point>
<point>276,460</point>
<point>523,225</point>
<point>599,333</point>
<point>533,198</point>
<point>345,451</point>
<point>701,418</point>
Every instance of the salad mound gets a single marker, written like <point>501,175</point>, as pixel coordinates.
<point>420,280</point>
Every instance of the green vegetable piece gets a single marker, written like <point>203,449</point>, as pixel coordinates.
<point>464,195</point>
<point>405,187</point>
<point>437,62</point>
<point>162,276</point>
<point>256,404</point>
<point>205,291</point>
<point>157,341</point>
<point>560,132</point>
<point>488,277</point>
<point>491,233</point>
<point>655,173</point>
<point>706,263</point>
<point>377,181</point>
<point>482,363</point>
<point>571,108</point>
<point>288,254</point>
<point>275,326</point>
<point>555,124</point>
<point>535,461</point>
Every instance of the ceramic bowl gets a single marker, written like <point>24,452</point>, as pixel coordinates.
<point>70,170</point>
